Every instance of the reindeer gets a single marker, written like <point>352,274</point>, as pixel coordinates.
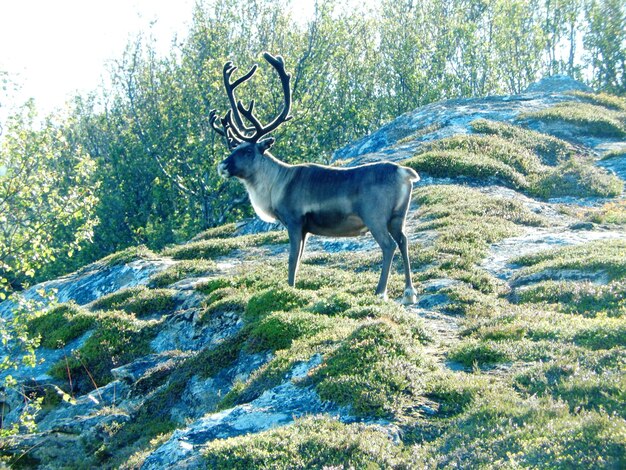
<point>310,198</point>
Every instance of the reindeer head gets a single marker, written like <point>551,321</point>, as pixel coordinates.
<point>244,141</point>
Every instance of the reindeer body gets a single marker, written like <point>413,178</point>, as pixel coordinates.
<point>317,199</point>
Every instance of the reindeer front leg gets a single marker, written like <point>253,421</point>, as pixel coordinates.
<point>297,239</point>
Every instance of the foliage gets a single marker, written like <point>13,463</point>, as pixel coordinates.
<point>595,120</point>
<point>213,247</point>
<point>45,205</point>
<point>548,148</point>
<point>59,325</point>
<point>182,270</point>
<point>117,339</point>
<point>307,443</point>
<point>139,300</point>
<point>538,164</point>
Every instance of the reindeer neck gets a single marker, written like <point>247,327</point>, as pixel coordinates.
<point>274,171</point>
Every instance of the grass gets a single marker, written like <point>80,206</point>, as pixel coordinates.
<point>537,164</point>
<point>606,256</point>
<point>594,119</point>
<point>467,222</point>
<point>308,443</point>
<point>211,248</point>
<point>583,298</point>
<point>550,150</point>
<point>613,212</point>
<point>128,255</point>
<point>612,102</point>
<point>138,300</point>
<point>182,270</point>
<point>504,430</point>
<point>117,339</point>
<point>60,325</point>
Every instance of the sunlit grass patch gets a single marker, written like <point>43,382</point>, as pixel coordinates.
<point>214,247</point>
<point>549,149</point>
<point>577,177</point>
<point>613,212</point>
<point>182,270</point>
<point>117,339</point>
<point>279,329</point>
<point>596,120</point>
<point>511,432</point>
<point>613,102</point>
<point>139,300</point>
<point>618,153</point>
<point>60,325</point>
<point>222,231</point>
<point>378,371</point>
<point>132,253</point>
<point>496,148</point>
<point>585,298</point>
<point>450,164</point>
<point>607,256</point>
<point>312,442</point>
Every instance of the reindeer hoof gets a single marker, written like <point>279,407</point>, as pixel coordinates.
<point>383,296</point>
<point>410,296</point>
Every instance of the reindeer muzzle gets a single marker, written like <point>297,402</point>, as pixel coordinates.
<point>222,170</point>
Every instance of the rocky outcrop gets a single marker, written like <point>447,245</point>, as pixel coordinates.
<point>165,377</point>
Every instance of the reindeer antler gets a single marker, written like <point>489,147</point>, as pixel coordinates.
<point>233,128</point>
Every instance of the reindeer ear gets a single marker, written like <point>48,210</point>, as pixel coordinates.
<point>265,144</point>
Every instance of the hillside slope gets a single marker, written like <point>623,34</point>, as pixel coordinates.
<point>201,356</point>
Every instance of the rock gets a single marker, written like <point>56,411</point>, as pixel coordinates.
<point>599,277</point>
<point>534,240</point>
<point>94,281</point>
<point>183,332</point>
<point>582,226</point>
<point>202,395</point>
<point>557,84</point>
<point>275,407</point>
<point>72,416</point>
<point>131,373</point>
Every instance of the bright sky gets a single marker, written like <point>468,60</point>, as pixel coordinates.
<point>55,48</point>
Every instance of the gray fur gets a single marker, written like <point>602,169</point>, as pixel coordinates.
<point>328,201</point>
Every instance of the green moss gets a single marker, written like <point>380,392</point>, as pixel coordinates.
<point>215,247</point>
<point>223,231</point>
<point>577,178</point>
<point>596,120</point>
<point>607,256</point>
<point>585,298</point>
<point>117,339</point>
<point>517,158</point>
<point>277,299</point>
<point>467,222</point>
<point>613,102</point>
<point>451,164</point>
<point>472,352</point>
<point>613,212</point>
<point>60,325</point>
<point>578,386</point>
<point>278,330</point>
<point>314,442</point>
<point>617,153</point>
<point>138,300</point>
<point>548,148</point>
<point>378,370</point>
<point>182,270</point>
<point>132,253</point>
<point>507,431</point>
